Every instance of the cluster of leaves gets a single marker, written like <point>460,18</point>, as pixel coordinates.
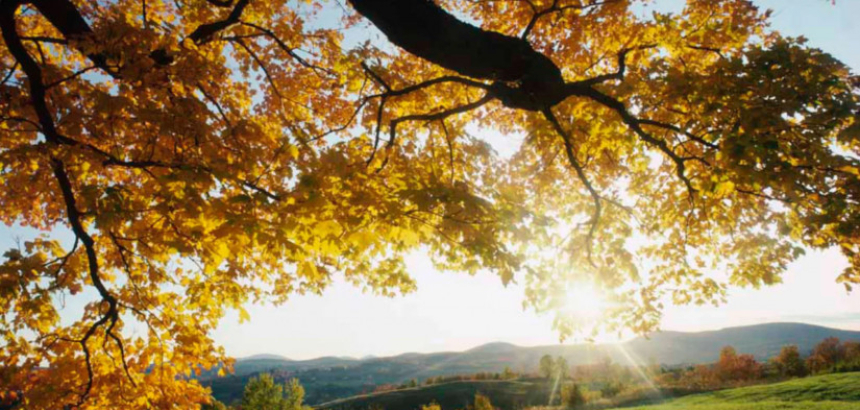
<point>210,153</point>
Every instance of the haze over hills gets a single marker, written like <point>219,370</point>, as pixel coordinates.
<point>330,378</point>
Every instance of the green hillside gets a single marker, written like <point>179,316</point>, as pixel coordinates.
<point>505,394</point>
<point>828,392</point>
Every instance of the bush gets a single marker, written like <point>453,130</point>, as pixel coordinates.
<point>611,389</point>
<point>572,395</point>
<point>789,363</point>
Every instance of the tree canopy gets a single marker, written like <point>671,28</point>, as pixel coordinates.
<point>263,393</point>
<point>206,154</point>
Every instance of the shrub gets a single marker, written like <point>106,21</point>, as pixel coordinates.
<point>572,395</point>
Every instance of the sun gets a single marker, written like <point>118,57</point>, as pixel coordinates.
<point>583,301</point>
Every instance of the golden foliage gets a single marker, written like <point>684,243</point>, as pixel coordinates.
<point>207,154</point>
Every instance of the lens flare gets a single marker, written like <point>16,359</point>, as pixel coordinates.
<point>584,302</point>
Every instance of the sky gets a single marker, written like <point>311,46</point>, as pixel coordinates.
<point>452,312</point>
<point>455,311</point>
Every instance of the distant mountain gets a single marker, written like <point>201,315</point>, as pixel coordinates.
<point>495,347</point>
<point>330,378</point>
<point>263,356</point>
<point>763,341</point>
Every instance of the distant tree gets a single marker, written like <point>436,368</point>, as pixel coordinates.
<point>789,363</point>
<point>214,405</point>
<point>262,393</point>
<point>852,352</point>
<point>747,368</point>
<point>817,363</point>
<point>611,389</point>
<point>825,355</point>
<point>726,363</point>
<point>413,383</point>
<point>508,374</point>
<point>294,396</point>
<point>561,368</point>
<point>482,402</point>
<point>701,377</point>
<point>734,367</point>
<point>547,366</point>
<point>606,361</point>
<point>572,396</point>
<point>830,349</point>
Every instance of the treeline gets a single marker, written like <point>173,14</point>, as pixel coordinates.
<point>506,374</point>
<point>607,382</point>
<point>481,402</point>
<point>587,383</point>
<point>733,369</point>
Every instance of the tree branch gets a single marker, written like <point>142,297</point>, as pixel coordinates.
<point>206,32</point>
<point>555,8</point>
<point>636,125</point>
<point>437,116</point>
<point>523,77</point>
<point>289,50</point>
<point>580,173</point>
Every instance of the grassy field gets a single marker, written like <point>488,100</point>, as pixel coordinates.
<point>829,392</point>
<point>505,394</point>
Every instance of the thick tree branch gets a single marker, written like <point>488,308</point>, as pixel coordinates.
<point>66,18</point>
<point>524,78</point>
<point>220,3</point>
<point>206,32</point>
<point>38,91</point>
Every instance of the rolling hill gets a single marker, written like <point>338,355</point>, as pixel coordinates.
<point>828,392</point>
<point>330,378</point>
<point>505,395</point>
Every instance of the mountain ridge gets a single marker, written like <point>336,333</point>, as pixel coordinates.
<point>496,345</point>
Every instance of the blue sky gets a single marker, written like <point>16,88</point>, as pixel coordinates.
<point>453,311</point>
